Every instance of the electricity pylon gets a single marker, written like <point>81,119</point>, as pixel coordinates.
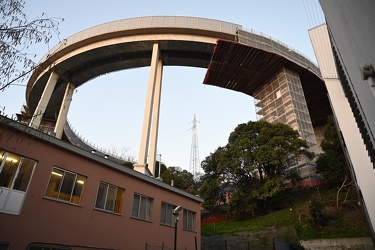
<point>194,153</point>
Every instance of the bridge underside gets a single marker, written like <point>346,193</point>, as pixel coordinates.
<point>95,62</point>
<point>243,68</point>
<point>230,64</point>
<point>235,59</point>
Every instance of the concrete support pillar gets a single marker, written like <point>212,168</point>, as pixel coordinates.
<point>61,119</point>
<point>43,102</point>
<point>145,139</point>
<point>155,118</point>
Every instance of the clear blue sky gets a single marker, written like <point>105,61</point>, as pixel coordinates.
<point>108,111</point>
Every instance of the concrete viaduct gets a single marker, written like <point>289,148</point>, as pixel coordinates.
<point>235,59</point>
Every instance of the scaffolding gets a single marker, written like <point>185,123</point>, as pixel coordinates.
<point>281,99</point>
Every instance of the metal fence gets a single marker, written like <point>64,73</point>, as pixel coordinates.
<point>267,43</point>
<point>277,245</point>
<point>267,239</point>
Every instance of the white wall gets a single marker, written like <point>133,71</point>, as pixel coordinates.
<point>356,150</point>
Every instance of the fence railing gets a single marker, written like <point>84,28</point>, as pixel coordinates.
<point>261,41</point>
<point>80,141</point>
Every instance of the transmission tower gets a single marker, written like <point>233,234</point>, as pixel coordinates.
<point>194,153</point>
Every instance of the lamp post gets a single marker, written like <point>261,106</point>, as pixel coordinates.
<point>159,177</point>
<point>159,165</point>
<point>176,213</point>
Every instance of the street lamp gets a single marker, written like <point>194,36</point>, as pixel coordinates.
<point>159,165</point>
<point>159,178</point>
<point>176,213</point>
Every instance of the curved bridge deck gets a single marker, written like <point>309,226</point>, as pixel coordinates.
<point>235,59</point>
<point>183,41</point>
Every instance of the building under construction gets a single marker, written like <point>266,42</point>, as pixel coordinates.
<point>285,85</point>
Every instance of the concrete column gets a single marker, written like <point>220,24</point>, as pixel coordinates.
<point>143,149</point>
<point>61,119</point>
<point>155,118</point>
<point>43,102</point>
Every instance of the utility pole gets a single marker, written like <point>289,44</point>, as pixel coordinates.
<point>194,153</point>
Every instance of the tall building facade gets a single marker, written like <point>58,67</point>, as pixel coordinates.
<point>351,30</point>
<point>344,48</point>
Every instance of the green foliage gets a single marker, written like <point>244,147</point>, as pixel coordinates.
<point>268,187</point>
<point>350,223</point>
<point>282,218</point>
<point>213,194</point>
<point>332,163</point>
<point>163,168</point>
<point>242,205</point>
<point>182,179</point>
<point>251,167</point>
<point>128,164</point>
<point>316,211</point>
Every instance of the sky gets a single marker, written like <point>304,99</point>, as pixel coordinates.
<point>108,111</point>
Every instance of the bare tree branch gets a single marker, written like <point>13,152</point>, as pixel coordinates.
<point>17,34</point>
<point>343,185</point>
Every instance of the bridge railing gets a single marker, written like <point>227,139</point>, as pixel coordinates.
<point>78,140</point>
<point>146,22</point>
<point>267,43</point>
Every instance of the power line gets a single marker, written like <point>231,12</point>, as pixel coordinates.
<point>313,12</point>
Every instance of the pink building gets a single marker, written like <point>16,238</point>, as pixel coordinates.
<point>56,196</point>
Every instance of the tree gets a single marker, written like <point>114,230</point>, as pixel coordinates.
<point>265,151</point>
<point>128,164</point>
<point>332,163</point>
<point>316,211</point>
<point>163,168</point>
<point>252,166</point>
<point>215,186</point>
<point>181,179</point>
<point>17,34</point>
<point>269,148</point>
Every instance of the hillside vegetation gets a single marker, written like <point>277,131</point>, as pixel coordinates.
<point>295,211</point>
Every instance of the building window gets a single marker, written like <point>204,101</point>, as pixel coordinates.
<point>189,220</point>
<point>15,171</point>
<point>15,176</point>
<point>142,207</point>
<point>109,198</point>
<point>4,246</point>
<point>166,216</point>
<point>45,247</point>
<point>65,186</point>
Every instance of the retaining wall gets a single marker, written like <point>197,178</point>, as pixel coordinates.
<point>339,244</point>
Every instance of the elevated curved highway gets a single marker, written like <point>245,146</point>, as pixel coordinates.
<point>236,59</point>
<point>125,44</point>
